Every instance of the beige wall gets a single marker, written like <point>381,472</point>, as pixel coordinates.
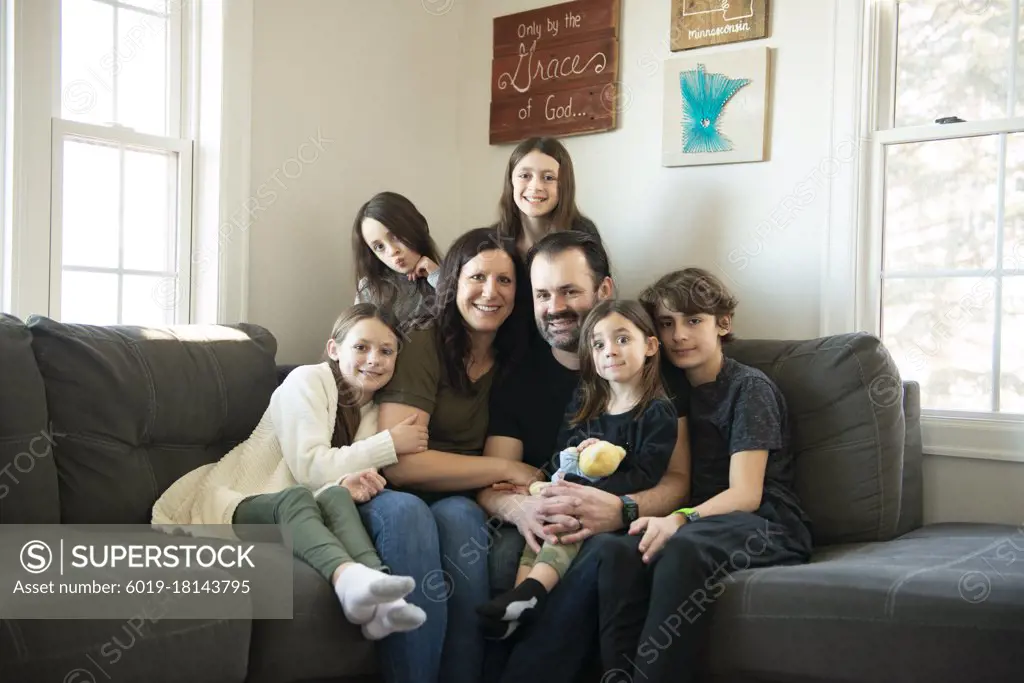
<point>378,80</point>
<point>969,490</point>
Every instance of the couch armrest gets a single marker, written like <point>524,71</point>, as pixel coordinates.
<point>912,499</point>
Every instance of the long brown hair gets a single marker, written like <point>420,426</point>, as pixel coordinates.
<point>594,388</point>
<point>451,334</point>
<point>565,215</point>
<point>346,420</point>
<point>403,219</point>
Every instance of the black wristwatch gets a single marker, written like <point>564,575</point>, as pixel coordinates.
<point>630,510</point>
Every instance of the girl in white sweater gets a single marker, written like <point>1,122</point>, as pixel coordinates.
<point>315,454</point>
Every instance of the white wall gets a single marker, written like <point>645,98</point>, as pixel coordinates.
<point>657,219</point>
<point>379,80</point>
<point>971,490</point>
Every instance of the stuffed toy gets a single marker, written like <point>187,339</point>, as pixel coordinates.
<point>594,462</point>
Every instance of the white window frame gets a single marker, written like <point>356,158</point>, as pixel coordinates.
<point>215,115</point>
<point>865,44</point>
<point>175,142</point>
<point>5,103</point>
<point>128,140</point>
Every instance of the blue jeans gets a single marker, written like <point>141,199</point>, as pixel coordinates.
<point>444,547</point>
<point>561,644</point>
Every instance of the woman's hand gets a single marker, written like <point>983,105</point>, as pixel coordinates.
<point>423,268</point>
<point>409,437</point>
<point>521,474</point>
<point>363,485</point>
<point>657,531</point>
<point>525,515</point>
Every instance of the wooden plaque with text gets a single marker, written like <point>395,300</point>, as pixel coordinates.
<point>555,71</point>
<point>699,23</point>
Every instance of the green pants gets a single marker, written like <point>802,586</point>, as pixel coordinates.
<point>326,531</point>
<point>557,556</point>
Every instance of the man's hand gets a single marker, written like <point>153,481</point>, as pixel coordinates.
<point>579,511</point>
<point>656,531</point>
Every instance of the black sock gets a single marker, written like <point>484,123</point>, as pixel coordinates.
<point>502,616</point>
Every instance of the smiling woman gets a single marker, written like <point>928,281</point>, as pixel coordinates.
<point>443,380</point>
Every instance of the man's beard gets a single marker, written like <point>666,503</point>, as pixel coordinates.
<point>565,340</point>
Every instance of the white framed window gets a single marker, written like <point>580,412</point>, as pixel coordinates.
<point>121,214</point>
<point>5,100</point>
<point>941,254</point>
<point>129,165</point>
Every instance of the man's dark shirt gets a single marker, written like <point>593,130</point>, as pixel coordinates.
<point>531,402</point>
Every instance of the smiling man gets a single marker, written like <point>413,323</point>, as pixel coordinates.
<point>570,274</point>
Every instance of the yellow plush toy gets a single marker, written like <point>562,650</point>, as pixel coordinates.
<point>596,461</point>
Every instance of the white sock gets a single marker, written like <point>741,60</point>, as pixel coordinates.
<point>361,589</point>
<point>394,617</point>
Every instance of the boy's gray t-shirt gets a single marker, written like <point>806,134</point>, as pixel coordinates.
<point>741,410</point>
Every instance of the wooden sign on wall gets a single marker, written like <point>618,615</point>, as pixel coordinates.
<point>699,23</point>
<point>555,71</point>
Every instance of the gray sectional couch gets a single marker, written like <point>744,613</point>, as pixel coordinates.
<point>884,599</point>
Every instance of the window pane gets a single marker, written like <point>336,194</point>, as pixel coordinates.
<point>86,61</point>
<point>141,68</point>
<point>940,204</point>
<point>88,298</point>
<point>90,205</point>
<point>150,237</point>
<point>1011,397</point>
<point>1013,235</point>
<point>940,332</point>
<point>953,59</point>
<point>149,300</point>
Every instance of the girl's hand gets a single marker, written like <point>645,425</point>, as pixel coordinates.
<point>586,443</point>
<point>657,531</point>
<point>409,437</point>
<point>423,268</point>
<point>363,485</point>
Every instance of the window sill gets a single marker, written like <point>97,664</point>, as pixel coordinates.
<point>973,437</point>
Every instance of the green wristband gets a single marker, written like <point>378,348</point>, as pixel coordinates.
<point>690,514</point>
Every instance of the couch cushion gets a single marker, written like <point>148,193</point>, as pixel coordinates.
<point>147,649</point>
<point>135,408</point>
<point>943,602</point>
<point>844,397</point>
<point>317,643</point>
<point>28,475</point>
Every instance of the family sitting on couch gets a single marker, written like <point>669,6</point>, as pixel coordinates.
<point>631,455</point>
